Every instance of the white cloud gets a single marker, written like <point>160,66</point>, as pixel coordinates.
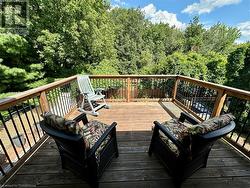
<point>149,10</point>
<point>244,28</point>
<point>161,16</point>
<point>117,4</point>
<point>206,6</point>
<point>120,2</point>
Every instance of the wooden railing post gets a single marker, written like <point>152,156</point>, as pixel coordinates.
<point>220,99</point>
<point>44,102</point>
<point>175,88</point>
<point>128,89</point>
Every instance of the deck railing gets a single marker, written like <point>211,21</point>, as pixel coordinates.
<point>20,133</point>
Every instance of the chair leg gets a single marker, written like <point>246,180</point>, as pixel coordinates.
<point>106,105</point>
<point>177,183</point>
<point>150,151</point>
<point>94,184</point>
<point>115,143</point>
<point>95,113</point>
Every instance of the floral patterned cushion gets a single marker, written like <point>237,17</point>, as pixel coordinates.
<point>92,132</point>
<point>212,124</point>
<point>179,131</point>
<point>60,123</point>
<point>183,131</point>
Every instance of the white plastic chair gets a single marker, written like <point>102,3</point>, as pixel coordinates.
<point>94,99</point>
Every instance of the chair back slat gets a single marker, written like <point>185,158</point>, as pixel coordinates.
<point>85,85</point>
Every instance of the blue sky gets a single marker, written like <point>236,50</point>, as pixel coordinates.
<point>179,12</point>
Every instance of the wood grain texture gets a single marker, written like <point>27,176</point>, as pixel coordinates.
<point>226,168</point>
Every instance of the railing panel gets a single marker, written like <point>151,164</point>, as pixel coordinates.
<point>20,117</point>
<point>144,89</point>
<point>134,87</point>
<point>63,99</point>
<point>240,108</point>
<point>19,131</point>
<point>197,99</point>
<point>114,88</point>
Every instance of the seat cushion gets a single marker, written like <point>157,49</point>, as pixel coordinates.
<point>179,131</point>
<point>211,124</point>
<point>92,132</point>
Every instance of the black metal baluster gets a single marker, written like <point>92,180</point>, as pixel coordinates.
<point>24,130</point>
<point>192,96</point>
<point>247,137</point>
<point>243,126</point>
<point>9,136</point>
<point>202,104</point>
<point>34,120</point>
<point>6,153</point>
<point>185,93</point>
<point>37,114</point>
<point>238,116</point>
<point>27,118</point>
<point>18,135</point>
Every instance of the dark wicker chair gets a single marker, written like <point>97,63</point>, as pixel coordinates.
<point>74,156</point>
<point>182,166</point>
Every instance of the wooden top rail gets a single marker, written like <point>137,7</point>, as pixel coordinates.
<point>132,76</point>
<point>10,101</point>
<point>243,94</point>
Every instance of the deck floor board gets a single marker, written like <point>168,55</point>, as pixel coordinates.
<point>134,168</point>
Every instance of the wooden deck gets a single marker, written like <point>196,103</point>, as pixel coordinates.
<point>134,168</point>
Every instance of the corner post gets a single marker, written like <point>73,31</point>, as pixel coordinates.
<point>220,99</point>
<point>175,88</point>
<point>128,89</point>
<point>44,102</point>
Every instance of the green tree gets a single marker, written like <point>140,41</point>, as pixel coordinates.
<point>13,49</point>
<point>129,30</point>
<point>163,38</point>
<point>216,64</point>
<point>70,35</point>
<point>239,60</point>
<point>194,35</point>
<point>219,38</point>
<point>105,67</point>
<point>235,64</point>
<point>196,66</point>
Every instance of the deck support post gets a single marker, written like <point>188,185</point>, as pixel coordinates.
<point>44,102</point>
<point>128,89</point>
<point>175,88</point>
<point>220,99</point>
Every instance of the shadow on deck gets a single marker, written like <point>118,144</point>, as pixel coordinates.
<point>134,168</point>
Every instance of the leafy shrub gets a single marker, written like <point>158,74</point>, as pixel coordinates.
<point>13,79</point>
